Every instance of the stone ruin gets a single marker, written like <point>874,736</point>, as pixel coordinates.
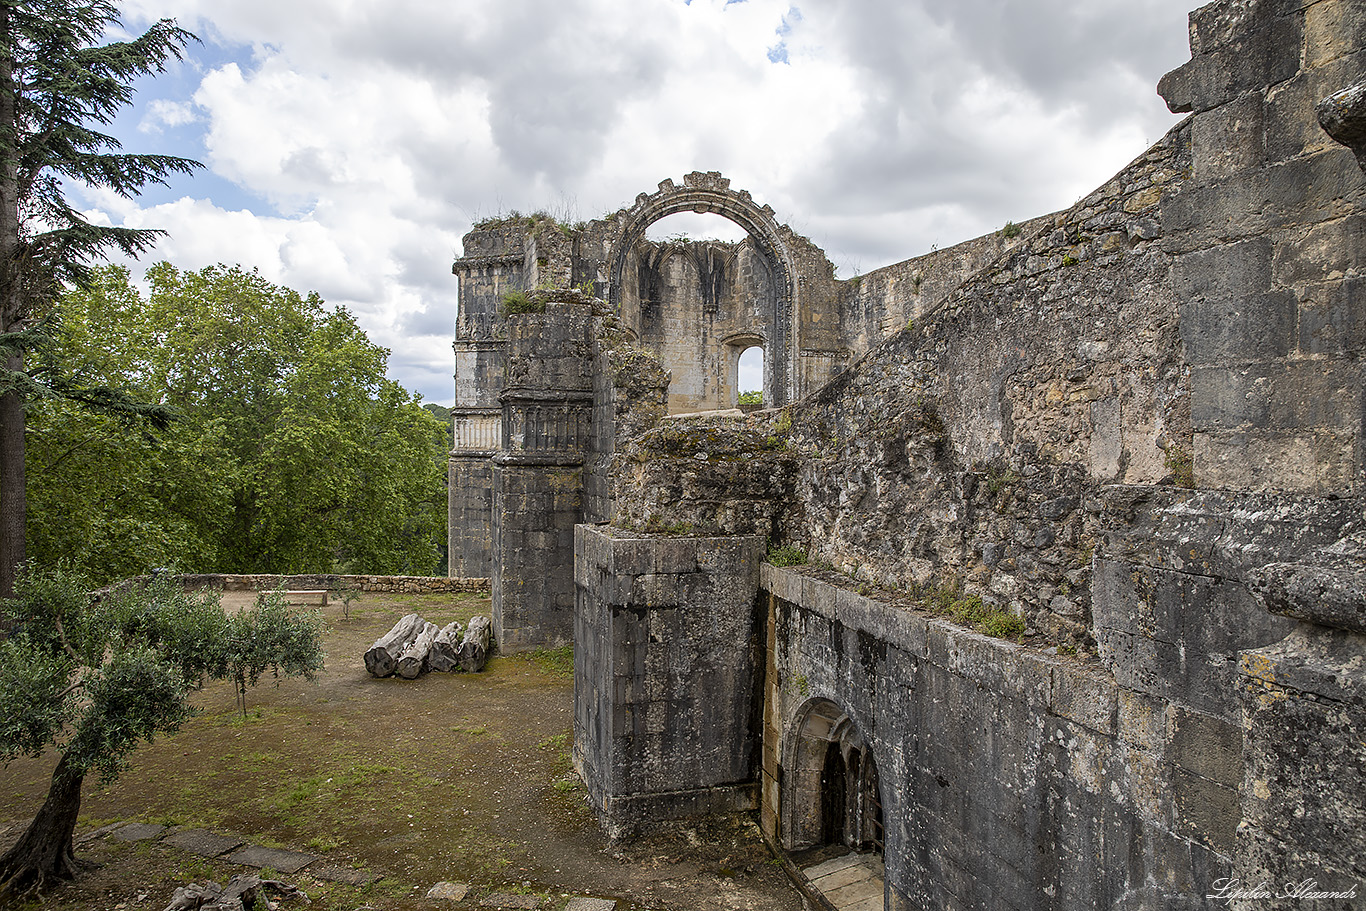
<point>1136,426</point>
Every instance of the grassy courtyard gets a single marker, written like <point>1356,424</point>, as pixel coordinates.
<point>456,777</point>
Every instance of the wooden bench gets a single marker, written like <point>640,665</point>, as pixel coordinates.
<point>307,597</point>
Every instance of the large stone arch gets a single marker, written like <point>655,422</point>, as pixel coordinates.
<point>820,730</point>
<point>709,192</point>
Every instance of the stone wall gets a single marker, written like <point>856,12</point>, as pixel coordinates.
<point>1009,778</point>
<point>697,304</point>
<point>538,473</point>
<point>469,504</point>
<point>630,395</point>
<point>709,475</point>
<point>1267,238</point>
<point>880,304</point>
<point>961,450</point>
<point>667,675</point>
<point>332,582</point>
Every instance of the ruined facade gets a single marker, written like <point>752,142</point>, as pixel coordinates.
<point>1135,428</point>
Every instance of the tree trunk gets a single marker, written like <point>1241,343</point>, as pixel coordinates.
<point>44,856</point>
<point>13,312</point>
<point>381,659</point>
<point>13,492</point>
<point>474,648</point>
<point>413,661</point>
<point>445,653</point>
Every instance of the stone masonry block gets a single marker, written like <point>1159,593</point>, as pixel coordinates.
<point>1319,463</point>
<point>1253,204</point>
<point>1237,62</point>
<point>904,630</point>
<point>1227,23</point>
<point>1333,319</point>
<point>1305,396</point>
<point>1234,271</point>
<point>818,597</point>
<point>1228,139</point>
<point>1142,720</point>
<point>1207,746</point>
<point>1333,28</point>
<point>1326,252</point>
<point>781,583</point>
<point>995,664</point>
<point>1207,811</point>
<point>1240,329</point>
<point>1087,699</point>
<point>1291,119</point>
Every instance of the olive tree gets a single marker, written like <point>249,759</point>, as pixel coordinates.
<point>96,677</point>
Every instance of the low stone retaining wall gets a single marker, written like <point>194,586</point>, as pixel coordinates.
<point>332,582</point>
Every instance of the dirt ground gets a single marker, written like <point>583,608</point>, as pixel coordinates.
<point>458,777</point>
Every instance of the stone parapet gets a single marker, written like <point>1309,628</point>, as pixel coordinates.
<point>333,582</point>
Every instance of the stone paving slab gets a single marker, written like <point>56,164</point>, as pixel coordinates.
<point>842,877</point>
<point>832,866</point>
<point>137,831</point>
<point>450,891</point>
<point>89,836</point>
<point>275,858</point>
<point>205,844</point>
<point>848,896</point>
<point>591,904</point>
<point>509,900</point>
<point>334,874</point>
<point>867,904</point>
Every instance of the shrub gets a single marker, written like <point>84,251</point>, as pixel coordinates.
<point>786,555</point>
<point>522,302</point>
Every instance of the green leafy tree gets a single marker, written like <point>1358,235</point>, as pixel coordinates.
<point>268,636</point>
<point>95,678</point>
<point>293,452</point>
<point>57,85</point>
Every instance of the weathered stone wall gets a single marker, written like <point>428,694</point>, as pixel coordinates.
<point>538,474</point>
<point>1010,778</point>
<point>493,264</point>
<point>667,675</point>
<point>630,395</point>
<point>692,303</point>
<point>332,582</point>
<point>1267,238</point>
<point>881,303</point>
<point>960,451</point>
<point>470,515</point>
<point>710,475</point>
<point>1303,805</point>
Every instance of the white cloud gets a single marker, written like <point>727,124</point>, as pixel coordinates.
<point>376,131</point>
<point>163,113</point>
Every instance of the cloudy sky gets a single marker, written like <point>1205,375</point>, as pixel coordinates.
<point>349,144</point>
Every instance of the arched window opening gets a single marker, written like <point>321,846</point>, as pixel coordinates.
<point>695,226</point>
<point>750,385</point>
<point>832,795</point>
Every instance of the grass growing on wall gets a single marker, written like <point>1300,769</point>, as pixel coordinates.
<point>970,611</point>
<point>521,302</point>
<point>786,555</point>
